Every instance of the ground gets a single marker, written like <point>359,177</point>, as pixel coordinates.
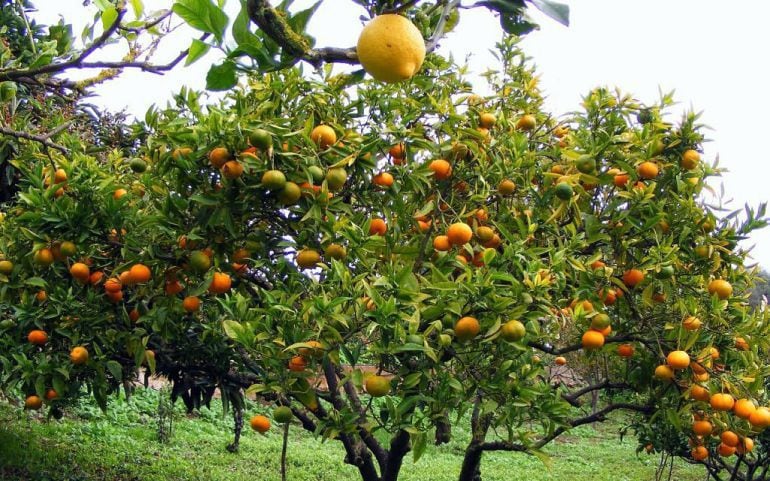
<point>121,445</point>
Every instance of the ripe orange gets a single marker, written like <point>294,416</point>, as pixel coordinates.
<point>560,361</point>
<point>467,328</point>
<point>506,187</point>
<point>441,169</point>
<point>647,170</point>
<point>134,315</point>
<point>526,122</point>
<point>608,296</point>
<point>678,360</point>
<point>173,287</point>
<point>592,339</point>
<point>760,418</point>
<point>721,288</point>
<point>690,159</point>
<point>307,258</point>
<point>633,277</point>
<point>722,402</point>
<point>260,424</point>
<point>741,344</point>
<point>115,297</point>
<point>744,408</point>
<point>220,283</point>
<point>702,427</point>
<point>487,120</point>
<point>119,194</point>
<point>377,386</point>
<point>442,243</point>
<point>41,296</point>
<point>232,169</point>
<point>398,151</point>
<point>625,350</point>
<point>664,373</point>
<point>37,337</point>
<point>745,445</point>
<point>33,403</point>
<point>378,227</point>
<point>297,364</point>
<point>59,176</point>
<point>113,284</point>
<point>699,453</point>
<point>43,257</point>
<point>459,233</point>
<point>6,267</point>
<point>96,278</point>
<point>725,450</point>
<point>383,179</point>
<point>79,355</point>
<point>513,331</point>
<point>691,323</point>
<point>315,349</point>
<point>80,271</point>
<point>620,180</point>
<point>140,273</point>
<point>219,156</point>
<point>700,393</point>
<point>729,438</point>
<point>51,394</point>
<point>191,304</point>
<point>323,136</point>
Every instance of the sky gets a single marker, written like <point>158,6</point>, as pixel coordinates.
<point>712,53</point>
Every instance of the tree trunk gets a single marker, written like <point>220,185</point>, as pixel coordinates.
<point>471,469</point>
<point>399,446</point>
<point>238,421</point>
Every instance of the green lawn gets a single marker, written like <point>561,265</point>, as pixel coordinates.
<point>121,446</point>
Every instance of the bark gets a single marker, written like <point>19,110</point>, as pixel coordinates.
<point>238,428</point>
<point>399,446</point>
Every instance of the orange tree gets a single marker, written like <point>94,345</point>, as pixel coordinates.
<point>384,261</point>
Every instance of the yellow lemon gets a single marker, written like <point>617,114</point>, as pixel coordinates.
<point>391,48</point>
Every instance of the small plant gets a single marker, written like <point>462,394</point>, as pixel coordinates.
<point>165,417</point>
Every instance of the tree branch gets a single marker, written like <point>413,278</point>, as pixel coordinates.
<point>573,397</point>
<point>43,139</point>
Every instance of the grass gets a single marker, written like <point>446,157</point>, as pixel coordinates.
<point>121,445</point>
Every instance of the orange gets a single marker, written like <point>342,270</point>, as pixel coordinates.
<point>96,278</point>
<point>513,331</point>
<point>181,152</point>
<point>79,355</point>
<point>459,233</point>
<point>423,225</point>
<point>335,251</point>
<point>760,418</point>
<point>722,402</point>
<point>80,271</point>
<point>441,169</point>
<point>633,277</point>
<point>43,257</point>
<point>33,403</point>
<point>173,287</point>
<point>391,48</point>
<point>315,349</point>
<point>191,304</point>
<point>6,267</point>
<point>597,264</point>
<point>664,373</point>
<point>608,296</point>
<point>308,258</point>
<point>134,315</point>
<point>113,284</point>
<point>115,297</point>
<point>467,328</point>
<point>744,408</point>
<point>378,227</point>
<point>260,424</point>
<point>398,151</point>
<point>592,339</point>
<point>297,364</point>
<point>487,120</point>
<point>620,180</point>
<point>560,361</point>
<point>51,394</point>
<point>442,243</point>
<point>691,323</point>
<point>119,194</point>
<point>725,450</point>
<point>140,273</point>
<point>273,180</point>
<point>336,178</point>
<point>647,170</point>
<point>59,176</point>
<point>741,344</point>
<point>700,393</point>
<point>678,360</point>
<point>506,187</point>
<point>377,386</point>
<point>37,337</point>
<point>625,350</point>
<point>323,136</point>
<point>219,157</point>
<point>485,234</point>
<point>200,261</point>
<point>699,453</point>
<point>526,122</point>
<point>729,438</point>
<point>41,296</point>
<point>702,428</point>
<point>745,445</point>
<point>690,159</point>
<point>383,179</point>
<point>220,283</point>
<point>232,169</point>
<point>721,288</point>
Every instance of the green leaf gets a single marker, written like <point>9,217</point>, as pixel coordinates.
<point>299,21</point>
<point>138,7</point>
<point>233,329</point>
<point>108,17</point>
<point>419,443</point>
<point>555,10</point>
<point>115,369</point>
<point>197,50</point>
<point>221,77</point>
<point>35,281</point>
<point>202,15</point>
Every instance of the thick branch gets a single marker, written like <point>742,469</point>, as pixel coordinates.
<point>574,397</point>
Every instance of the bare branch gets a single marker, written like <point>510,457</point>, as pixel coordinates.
<point>432,42</point>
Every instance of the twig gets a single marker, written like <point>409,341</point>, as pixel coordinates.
<point>432,42</point>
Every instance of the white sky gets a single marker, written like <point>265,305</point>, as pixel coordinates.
<point>713,53</point>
